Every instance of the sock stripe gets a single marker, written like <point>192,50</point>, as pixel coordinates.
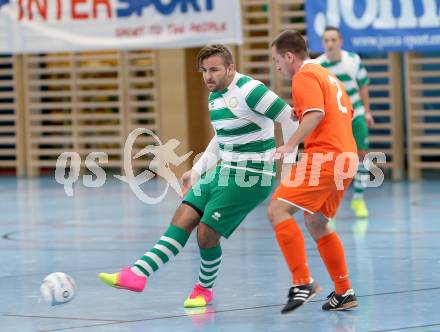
<point>206,278</point>
<point>164,250</point>
<point>141,272</point>
<point>204,269</point>
<point>211,259</point>
<point>163,257</point>
<point>149,261</point>
<point>178,234</point>
<point>211,262</point>
<point>170,247</point>
<point>156,259</point>
<point>208,285</point>
<point>361,179</point>
<point>144,267</point>
<point>173,242</point>
<point>209,266</point>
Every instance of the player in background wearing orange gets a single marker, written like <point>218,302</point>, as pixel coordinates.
<point>325,114</point>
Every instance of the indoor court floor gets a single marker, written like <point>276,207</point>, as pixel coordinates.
<point>393,259</point>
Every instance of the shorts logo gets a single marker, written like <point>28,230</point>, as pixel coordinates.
<point>216,215</point>
<point>233,102</point>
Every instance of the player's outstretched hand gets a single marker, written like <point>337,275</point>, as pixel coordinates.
<point>283,151</point>
<point>188,179</point>
<point>293,115</point>
<point>370,120</point>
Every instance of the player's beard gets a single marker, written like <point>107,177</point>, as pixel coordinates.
<point>220,85</point>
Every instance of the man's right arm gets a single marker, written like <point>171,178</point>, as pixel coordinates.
<point>209,159</point>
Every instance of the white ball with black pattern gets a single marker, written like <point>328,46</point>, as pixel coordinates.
<point>58,288</point>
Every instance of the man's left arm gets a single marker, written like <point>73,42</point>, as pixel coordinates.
<point>363,81</point>
<point>363,92</point>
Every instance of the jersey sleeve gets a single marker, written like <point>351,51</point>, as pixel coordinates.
<point>262,100</point>
<point>361,74</point>
<point>307,94</point>
<point>209,158</point>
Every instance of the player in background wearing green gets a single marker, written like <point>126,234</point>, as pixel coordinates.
<point>242,113</point>
<point>348,68</point>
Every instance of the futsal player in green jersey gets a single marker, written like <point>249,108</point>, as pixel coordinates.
<point>348,68</point>
<point>242,113</point>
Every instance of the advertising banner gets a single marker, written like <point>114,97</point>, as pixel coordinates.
<point>376,25</point>
<point>29,26</point>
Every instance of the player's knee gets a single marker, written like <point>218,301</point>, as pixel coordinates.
<point>186,218</point>
<point>317,227</point>
<point>271,212</point>
<point>274,210</point>
<point>207,237</point>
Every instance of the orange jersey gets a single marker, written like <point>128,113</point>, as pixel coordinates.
<point>315,88</point>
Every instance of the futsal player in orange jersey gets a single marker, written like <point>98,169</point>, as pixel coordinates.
<point>325,114</point>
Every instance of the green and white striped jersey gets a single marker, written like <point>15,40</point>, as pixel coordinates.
<point>352,73</point>
<point>242,116</point>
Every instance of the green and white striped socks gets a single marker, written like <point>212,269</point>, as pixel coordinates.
<point>211,259</point>
<point>360,181</point>
<point>169,245</point>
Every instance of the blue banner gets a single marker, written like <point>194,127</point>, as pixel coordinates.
<point>376,25</point>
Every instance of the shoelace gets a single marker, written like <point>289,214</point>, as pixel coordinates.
<point>291,293</point>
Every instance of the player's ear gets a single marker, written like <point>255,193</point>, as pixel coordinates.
<point>291,57</point>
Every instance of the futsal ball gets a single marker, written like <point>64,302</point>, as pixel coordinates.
<point>58,288</point>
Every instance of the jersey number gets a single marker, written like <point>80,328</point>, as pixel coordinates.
<point>334,81</point>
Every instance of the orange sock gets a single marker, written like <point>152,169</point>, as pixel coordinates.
<point>332,253</point>
<point>291,241</point>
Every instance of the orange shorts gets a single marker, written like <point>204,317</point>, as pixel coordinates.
<point>313,191</point>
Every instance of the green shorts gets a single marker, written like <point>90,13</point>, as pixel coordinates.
<point>225,196</point>
<point>360,132</point>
